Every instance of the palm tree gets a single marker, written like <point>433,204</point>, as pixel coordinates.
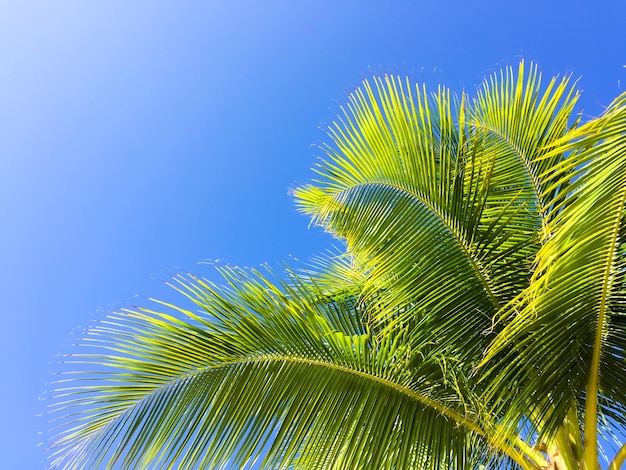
<point>476,318</point>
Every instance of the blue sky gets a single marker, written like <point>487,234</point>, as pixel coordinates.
<point>138,139</point>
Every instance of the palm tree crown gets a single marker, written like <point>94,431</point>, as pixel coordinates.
<point>476,317</point>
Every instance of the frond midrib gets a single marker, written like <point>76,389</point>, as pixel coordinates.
<point>475,263</point>
<point>525,161</point>
<point>314,362</point>
<point>594,373</point>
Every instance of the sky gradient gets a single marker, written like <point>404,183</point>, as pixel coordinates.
<point>138,139</point>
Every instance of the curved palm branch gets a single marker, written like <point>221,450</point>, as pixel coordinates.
<point>576,299</point>
<point>281,372</point>
<point>442,204</point>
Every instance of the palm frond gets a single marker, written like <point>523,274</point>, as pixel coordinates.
<point>441,203</point>
<point>261,374</point>
<point>568,334</point>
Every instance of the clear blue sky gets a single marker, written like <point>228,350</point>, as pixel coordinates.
<point>140,138</point>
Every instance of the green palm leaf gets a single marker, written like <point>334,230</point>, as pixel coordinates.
<point>444,210</point>
<point>263,370</point>
<point>577,295</point>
